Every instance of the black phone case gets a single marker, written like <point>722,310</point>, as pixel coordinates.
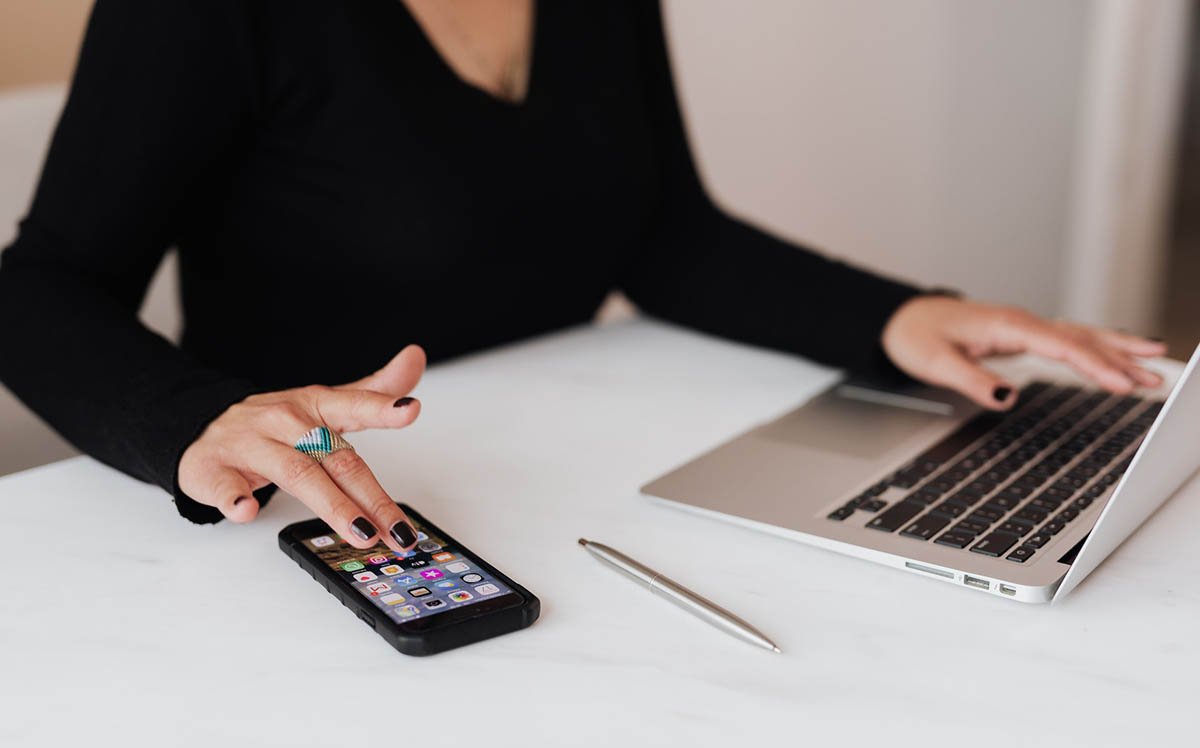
<point>484,626</point>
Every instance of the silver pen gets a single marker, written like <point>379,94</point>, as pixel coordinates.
<point>680,595</point>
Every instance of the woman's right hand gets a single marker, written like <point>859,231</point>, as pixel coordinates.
<point>250,445</point>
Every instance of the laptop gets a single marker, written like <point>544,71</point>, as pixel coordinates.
<point>1022,504</point>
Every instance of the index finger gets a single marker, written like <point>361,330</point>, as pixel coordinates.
<point>1133,344</point>
<point>303,477</point>
<point>346,410</point>
<point>1044,339</point>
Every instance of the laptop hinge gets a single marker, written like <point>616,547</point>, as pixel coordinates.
<point>1069,557</point>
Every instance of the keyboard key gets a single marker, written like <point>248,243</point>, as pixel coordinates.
<point>955,539</point>
<point>1067,515</point>
<point>1069,484</point>
<point>995,544</point>
<point>970,527</point>
<point>949,509</point>
<point>1016,490</point>
<point>905,480</point>
<point>1053,527</point>
<point>878,488</point>
<point>925,496</point>
<point>893,519</point>
<point>1003,501</point>
<point>962,438</point>
<point>1032,480</point>
<point>874,505</point>
<point>1083,502</point>
<point>841,513</point>
<point>1030,514</point>
<point>1021,555</point>
<point>979,487</point>
<point>1044,503</point>
<point>966,499</point>
<point>1037,540</point>
<point>984,514</point>
<point>926,527</point>
<point>1016,527</point>
<point>941,486</point>
<point>1083,471</point>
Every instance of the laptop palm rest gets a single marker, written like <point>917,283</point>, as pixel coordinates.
<point>784,471</point>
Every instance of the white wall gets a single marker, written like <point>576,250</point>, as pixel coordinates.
<point>932,139</point>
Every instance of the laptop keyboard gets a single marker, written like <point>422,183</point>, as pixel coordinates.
<point>1004,484</point>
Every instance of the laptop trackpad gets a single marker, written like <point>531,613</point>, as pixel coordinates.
<point>850,426</point>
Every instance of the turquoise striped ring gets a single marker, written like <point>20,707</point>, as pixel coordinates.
<point>321,442</point>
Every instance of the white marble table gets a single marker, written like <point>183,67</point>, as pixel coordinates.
<point>121,624</point>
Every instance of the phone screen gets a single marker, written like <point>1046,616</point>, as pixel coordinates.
<point>433,578</point>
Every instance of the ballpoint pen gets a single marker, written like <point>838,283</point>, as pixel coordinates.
<point>680,595</point>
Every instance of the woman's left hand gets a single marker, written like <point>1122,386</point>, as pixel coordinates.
<point>940,339</point>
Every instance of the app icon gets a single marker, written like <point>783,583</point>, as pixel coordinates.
<point>422,536</point>
<point>443,557</point>
<point>445,584</point>
<point>363,576</point>
<point>378,588</point>
<point>458,567</point>
<point>322,541</point>
<point>418,591</point>
<point>392,599</point>
<point>471,578</point>
<point>431,574</point>
<point>417,564</point>
<point>459,596</point>
<point>352,566</point>
<point>487,589</point>
<point>406,579</point>
<point>406,554</point>
<point>428,546</point>
<point>390,570</point>
<point>434,603</point>
<point>377,560</point>
<point>408,611</point>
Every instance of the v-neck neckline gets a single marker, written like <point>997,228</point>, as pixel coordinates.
<point>448,70</point>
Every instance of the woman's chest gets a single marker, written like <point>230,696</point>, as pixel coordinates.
<point>370,148</point>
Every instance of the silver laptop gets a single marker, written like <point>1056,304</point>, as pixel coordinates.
<point>1023,504</point>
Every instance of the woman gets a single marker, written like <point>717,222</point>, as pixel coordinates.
<point>344,178</point>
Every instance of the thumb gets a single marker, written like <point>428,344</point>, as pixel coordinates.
<point>952,368</point>
<point>398,377</point>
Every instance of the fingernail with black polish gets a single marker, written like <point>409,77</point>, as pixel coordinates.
<point>1001,393</point>
<point>402,402</point>
<point>363,528</point>
<point>403,534</point>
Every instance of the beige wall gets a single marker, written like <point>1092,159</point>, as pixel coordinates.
<point>932,139</point>
<point>39,40</point>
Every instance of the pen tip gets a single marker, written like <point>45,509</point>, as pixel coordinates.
<point>777,650</point>
<point>582,541</point>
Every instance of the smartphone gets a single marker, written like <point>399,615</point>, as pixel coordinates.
<point>438,596</point>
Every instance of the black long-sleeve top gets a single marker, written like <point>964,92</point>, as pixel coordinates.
<point>335,192</point>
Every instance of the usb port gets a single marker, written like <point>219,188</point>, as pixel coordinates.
<point>976,582</point>
<point>1010,591</point>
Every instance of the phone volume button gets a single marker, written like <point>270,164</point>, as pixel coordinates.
<point>365,618</point>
